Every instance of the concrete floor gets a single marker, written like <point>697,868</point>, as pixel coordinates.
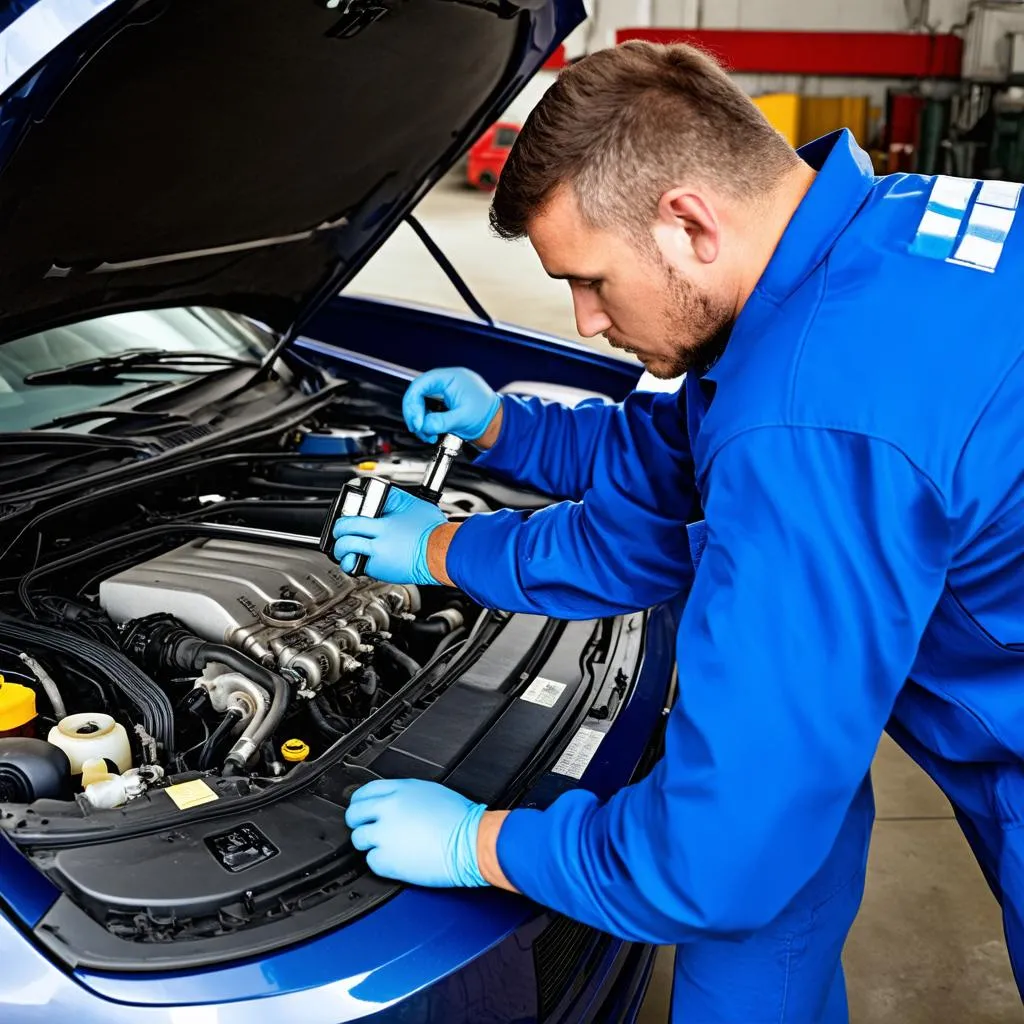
<point>927,947</point>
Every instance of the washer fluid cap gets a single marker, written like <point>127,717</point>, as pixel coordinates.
<point>294,750</point>
<point>17,705</point>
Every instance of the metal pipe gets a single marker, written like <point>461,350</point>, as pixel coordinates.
<point>252,739</point>
<point>300,540</point>
<point>233,689</point>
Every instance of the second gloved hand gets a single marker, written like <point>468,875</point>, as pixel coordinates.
<point>395,542</point>
<point>472,404</point>
<point>417,831</point>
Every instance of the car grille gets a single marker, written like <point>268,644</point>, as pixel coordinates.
<point>564,955</point>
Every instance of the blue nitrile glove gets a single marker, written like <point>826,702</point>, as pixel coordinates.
<point>416,831</point>
<point>471,403</point>
<point>396,541</point>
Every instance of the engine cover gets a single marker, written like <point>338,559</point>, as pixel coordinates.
<point>287,607</point>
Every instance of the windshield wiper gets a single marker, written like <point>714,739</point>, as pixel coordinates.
<point>103,369</point>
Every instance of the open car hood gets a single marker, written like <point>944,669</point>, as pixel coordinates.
<point>247,154</point>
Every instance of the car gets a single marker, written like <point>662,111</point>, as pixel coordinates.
<point>192,689</point>
<point>488,154</point>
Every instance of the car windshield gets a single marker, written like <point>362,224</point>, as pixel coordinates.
<point>504,137</point>
<point>193,329</point>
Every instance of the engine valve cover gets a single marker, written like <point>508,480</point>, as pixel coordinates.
<point>286,607</point>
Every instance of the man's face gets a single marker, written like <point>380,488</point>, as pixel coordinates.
<point>642,299</point>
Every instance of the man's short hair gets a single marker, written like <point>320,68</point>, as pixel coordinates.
<point>624,125</point>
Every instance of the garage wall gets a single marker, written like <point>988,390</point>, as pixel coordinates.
<point>824,15</point>
<point>609,16</point>
<point>810,15</point>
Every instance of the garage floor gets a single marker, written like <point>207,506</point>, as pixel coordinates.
<point>928,945</point>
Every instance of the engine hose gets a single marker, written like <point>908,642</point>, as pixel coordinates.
<point>236,661</point>
<point>152,704</point>
<point>231,718</point>
<point>368,681</point>
<point>452,638</point>
<point>278,705</point>
<point>429,629</point>
<point>48,685</point>
<point>162,641</point>
<point>322,723</point>
<point>399,658</point>
<point>257,732</point>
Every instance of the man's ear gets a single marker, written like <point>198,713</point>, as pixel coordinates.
<point>688,226</point>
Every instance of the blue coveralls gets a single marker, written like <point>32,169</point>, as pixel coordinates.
<point>857,456</point>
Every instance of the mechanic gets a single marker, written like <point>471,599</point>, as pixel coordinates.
<point>838,486</point>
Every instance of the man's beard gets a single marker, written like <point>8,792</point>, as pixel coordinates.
<point>690,314</point>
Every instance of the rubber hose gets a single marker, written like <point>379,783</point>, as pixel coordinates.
<point>428,629</point>
<point>452,638</point>
<point>271,760</point>
<point>224,727</point>
<point>369,681</point>
<point>48,685</point>
<point>333,716</point>
<point>321,722</point>
<point>255,734</point>
<point>153,705</point>
<point>399,658</point>
<point>237,661</point>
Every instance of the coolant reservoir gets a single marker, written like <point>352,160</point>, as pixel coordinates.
<point>17,709</point>
<point>96,769</point>
<point>87,736</point>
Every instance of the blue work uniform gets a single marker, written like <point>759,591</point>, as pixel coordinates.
<point>855,462</point>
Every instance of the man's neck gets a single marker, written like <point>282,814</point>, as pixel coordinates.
<point>768,223</point>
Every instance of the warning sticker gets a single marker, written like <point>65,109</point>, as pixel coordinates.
<point>579,753</point>
<point>544,692</point>
<point>190,794</point>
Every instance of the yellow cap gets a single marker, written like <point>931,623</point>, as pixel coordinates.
<point>367,466</point>
<point>17,705</point>
<point>294,750</point>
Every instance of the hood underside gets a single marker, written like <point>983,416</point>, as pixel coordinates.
<point>249,154</point>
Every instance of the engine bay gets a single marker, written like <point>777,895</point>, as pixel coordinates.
<point>191,691</point>
<point>154,635</point>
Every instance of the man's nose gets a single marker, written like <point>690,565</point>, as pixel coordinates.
<point>591,319</point>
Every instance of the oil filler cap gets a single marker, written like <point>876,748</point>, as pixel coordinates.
<point>285,611</point>
<point>294,750</point>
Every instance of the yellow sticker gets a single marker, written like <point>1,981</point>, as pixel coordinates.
<point>367,466</point>
<point>190,794</point>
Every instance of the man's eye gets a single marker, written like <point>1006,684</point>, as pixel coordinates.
<point>594,286</point>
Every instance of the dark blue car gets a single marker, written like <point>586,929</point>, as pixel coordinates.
<point>191,689</point>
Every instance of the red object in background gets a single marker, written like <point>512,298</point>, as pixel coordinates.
<point>489,153</point>
<point>902,119</point>
<point>850,54</point>
<point>557,59</point>
<point>902,131</point>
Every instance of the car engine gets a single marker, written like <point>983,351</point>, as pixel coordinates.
<point>286,608</point>
<point>184,624</point>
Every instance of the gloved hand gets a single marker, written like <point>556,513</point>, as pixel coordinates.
<point>471,401</point>
<point>416,831</point>
<point>396,541</point>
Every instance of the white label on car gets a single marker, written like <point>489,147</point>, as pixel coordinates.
<point>579,753</point>
<point>544,692</point>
